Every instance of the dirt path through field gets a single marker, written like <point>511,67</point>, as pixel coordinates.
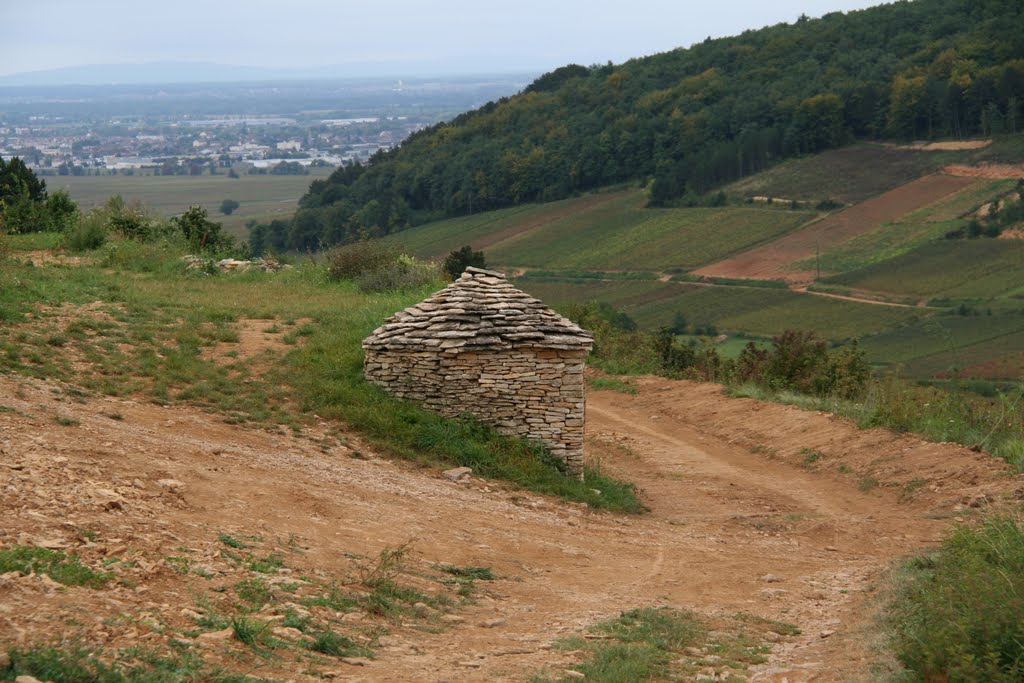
<point>773,260</point>
<point>738,490</point>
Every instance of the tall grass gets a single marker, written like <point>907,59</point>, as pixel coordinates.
<point>955,614</point>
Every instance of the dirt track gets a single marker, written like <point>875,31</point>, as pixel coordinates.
<point>773,260</point>
<point>733,492</point>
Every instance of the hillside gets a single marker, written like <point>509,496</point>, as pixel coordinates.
<point>875,263</point>
<point>694,118</point>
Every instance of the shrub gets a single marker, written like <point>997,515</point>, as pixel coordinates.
<point>403,273</point>
<point>88,233</point>
<point>956,613</point>
<point>351,261</point>
<point>457,261</point>
<point>200,232</point>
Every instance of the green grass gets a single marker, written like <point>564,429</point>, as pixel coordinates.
<point>63,568</point>
<point>973,269</point>
<point>76,663</point>
<point>955,613</point>
<point>611,384</point>
<point>666,644</point>
<point>262,197</point>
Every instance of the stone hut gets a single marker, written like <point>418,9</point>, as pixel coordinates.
<point>483,347</point>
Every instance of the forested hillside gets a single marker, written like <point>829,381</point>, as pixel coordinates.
<point>691,119</point>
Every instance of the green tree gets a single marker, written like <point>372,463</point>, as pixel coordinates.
<point>200,232</point>
<point>228,206</point>
<point>463,258</point>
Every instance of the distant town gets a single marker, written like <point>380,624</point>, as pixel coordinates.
<point>188,146</point>
<point>239,128</point>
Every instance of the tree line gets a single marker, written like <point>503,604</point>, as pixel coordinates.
<point>692,119</point>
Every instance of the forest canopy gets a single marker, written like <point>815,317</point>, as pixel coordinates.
<point>691,119</point>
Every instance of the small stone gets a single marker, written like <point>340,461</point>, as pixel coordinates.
<point>772,637</point>
<point>190,614</point>
<point>492,623</point>
<point>24,678</point>
<point>215,636</point>
<point>475,665</point>
<point>452,618</point>
<point>172,485</point>
<point>826,634</point>
<point>772,578</point>
<point>832,549</point>
<point>457,474</point>
<point>357,661</point>
<point>575,675</point>
<point>286,632</point>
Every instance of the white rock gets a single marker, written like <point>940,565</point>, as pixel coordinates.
<point>457,474</point>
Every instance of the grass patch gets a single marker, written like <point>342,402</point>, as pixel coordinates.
<point>334,645</point>
<point>611,384</point>
<point>61,567</point>
<point>482,573</point>
<point>955,613</point>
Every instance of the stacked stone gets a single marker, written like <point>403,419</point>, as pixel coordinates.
<point>480,346</point>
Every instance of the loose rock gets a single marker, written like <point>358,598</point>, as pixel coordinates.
<point>458,474</point>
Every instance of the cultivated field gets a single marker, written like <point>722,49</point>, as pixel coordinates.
<point>261,197</point>
<point>776,259</point>
<point>906,233</point>
<point>851,174</point>
<point>972,269</point>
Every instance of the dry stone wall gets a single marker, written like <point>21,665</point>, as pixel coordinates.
<point>483,347</point>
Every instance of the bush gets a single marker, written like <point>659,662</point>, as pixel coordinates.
<point>457,261</point>
<point>403,273</point>
<point>360,258</point>
<point>956,613</point>
<point>89,232</point>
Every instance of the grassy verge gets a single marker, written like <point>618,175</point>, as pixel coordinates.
<point>153,328</point>
<point>955,613</point>
<point>655,644</point>
<point>990,424</point>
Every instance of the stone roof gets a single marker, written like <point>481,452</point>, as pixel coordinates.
<point>481,311</point>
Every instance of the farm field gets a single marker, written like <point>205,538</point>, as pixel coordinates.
<point>261,197</point>
<point>776,259</point>
<point>912,230</point>
<point>939,334</point>
<point>971,269</point>
<point>647,239</point>
<point>850,174</point>
<point>996,358</point>
<point>485,230</point>
<point>747,310</point>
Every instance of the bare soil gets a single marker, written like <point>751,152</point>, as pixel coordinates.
<point>737,490</point>
<point>949,145</point>
<point>772,260</point>
<point>993,171</point>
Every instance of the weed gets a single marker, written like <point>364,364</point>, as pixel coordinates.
<point>330,643</point>
<point>113,416</point>
<point>249,631</point>
<point>179,563</point>
<point>293,619</point>
<point>256,592</point>
<point>231,541</point>
<point>810,456</point>
<point>62,568</point>
<point>482,573</point>
<point>385,567</point>
<point>270,564</point>
<point>867,483</point>
<point>66,421</point>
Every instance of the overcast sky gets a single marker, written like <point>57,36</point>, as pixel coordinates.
<point>452,35</point>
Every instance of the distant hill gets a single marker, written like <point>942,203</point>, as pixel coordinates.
<point>694,119</point>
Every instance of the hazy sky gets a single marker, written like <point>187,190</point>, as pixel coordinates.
<point>462,35</point>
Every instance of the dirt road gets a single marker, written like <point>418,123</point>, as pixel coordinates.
<point>738,490</point>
